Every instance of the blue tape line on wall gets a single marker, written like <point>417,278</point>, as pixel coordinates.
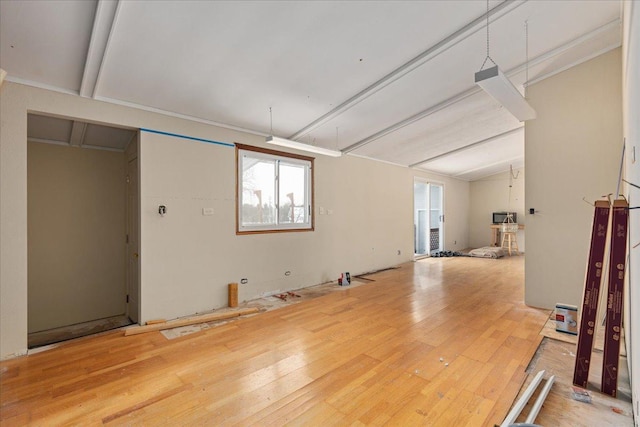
<point>209,141</point>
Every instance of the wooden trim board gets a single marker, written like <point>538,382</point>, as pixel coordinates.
<point>189,321</point>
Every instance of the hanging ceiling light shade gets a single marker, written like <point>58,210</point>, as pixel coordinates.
<point>282,142</point>
<point>499,87</point>
<point>301,146</point>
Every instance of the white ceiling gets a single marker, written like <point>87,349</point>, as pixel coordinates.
<point>62,131</point>
<point>388,80</point>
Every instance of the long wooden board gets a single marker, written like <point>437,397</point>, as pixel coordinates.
<point>615,294</point>
<point>189,321</point>
<point>591,292</point>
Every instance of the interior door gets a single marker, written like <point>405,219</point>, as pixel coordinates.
<point>133,246</point>
<point>428,217</point>
<point>436,216</point>
<point>420,218</point>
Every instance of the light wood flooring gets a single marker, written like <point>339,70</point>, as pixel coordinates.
<point>441,341</point>
<point>560,408</point>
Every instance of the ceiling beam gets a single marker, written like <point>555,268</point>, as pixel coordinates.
<point>78,130</point>
<point>510,161</point>
<point>475,89</point>
<point>466,147</point>
<point>414,118</point>
<point>103,25</point>
<point>442,46</point>
<point>47,141</point>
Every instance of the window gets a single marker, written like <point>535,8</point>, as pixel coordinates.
<point>275,191</point>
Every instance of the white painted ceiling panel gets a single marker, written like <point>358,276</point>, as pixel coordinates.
<point>336,74</point>
<point>483,159</point>
<point>64,131</point>
<point>451,72</point>
<point>46,42</point>
<point>49,128</point>
<point>464,123</point>
<point>230,61</point>
<point>98,136</point>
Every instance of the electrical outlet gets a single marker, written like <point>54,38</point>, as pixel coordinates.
<point>207,211</point>
<point>244,281</point>
<point>399,252</point>
<point>287,273</point>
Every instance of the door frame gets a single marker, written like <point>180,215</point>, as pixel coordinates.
<point>132,279</point>
<point>442,215</point>
<point>429,182</point>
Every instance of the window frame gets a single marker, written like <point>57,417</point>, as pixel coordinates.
<point>273,155</point>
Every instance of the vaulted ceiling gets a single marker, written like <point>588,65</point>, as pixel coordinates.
<point>388,80</point>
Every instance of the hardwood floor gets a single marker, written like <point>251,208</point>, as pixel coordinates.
<point>441,341</point>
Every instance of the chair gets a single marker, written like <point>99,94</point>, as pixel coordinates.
<point>509,240</point>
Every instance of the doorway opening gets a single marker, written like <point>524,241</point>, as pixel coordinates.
<point>78,228</point>
<point>428,217</point>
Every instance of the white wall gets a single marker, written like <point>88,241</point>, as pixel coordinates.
<point>75,235</point>
<point>631,109</point>
<point>187,259</point>
<point>572,150</point>
<point>491,194</point>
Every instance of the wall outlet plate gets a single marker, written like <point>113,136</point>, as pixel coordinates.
<point>207,211</point>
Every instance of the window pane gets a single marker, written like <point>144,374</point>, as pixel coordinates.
<point>258,191</point>
<point>274,191</point>
<point>293,204</point>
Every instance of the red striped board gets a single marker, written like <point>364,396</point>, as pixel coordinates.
<point>591,292</point>
<point>615,294</point>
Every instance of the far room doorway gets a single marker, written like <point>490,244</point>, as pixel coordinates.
<point>82,215</point>
<point>428,217</point>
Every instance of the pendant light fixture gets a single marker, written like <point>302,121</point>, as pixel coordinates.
<point>282,142</point>
<point>493,81</point>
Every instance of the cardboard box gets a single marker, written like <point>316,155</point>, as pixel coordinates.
<point>567,319</point>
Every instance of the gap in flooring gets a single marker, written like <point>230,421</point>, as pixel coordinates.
<point>65,333</point>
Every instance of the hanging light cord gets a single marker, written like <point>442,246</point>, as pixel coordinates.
<point>526,36</point>
<point>270,122</point>
<point>488,56</point>
<point>512,176</point>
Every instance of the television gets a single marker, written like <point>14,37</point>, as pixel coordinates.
<point>500,217</point>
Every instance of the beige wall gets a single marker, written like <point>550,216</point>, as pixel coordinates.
<point>75,235</point>
<point>13,223</point>
<point>491,194</point>
<point>187,259</point>
<point>572,150</point>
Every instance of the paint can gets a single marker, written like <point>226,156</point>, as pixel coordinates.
<point>567,319</point>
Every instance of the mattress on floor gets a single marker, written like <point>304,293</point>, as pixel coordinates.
<point>488,252</point>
